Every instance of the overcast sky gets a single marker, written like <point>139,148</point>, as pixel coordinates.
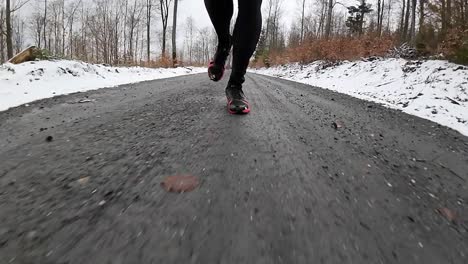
<point>196,9</point>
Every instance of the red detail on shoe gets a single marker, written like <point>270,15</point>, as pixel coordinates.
<point>245,111</point>
<point>212,76</point>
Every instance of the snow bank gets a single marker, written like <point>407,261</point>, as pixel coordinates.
<point>434,90</point>
<point>30,81</point>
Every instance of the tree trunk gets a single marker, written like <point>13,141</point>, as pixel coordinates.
<point>174,35</point>
<point>125,32</point>
<point>45,23</point>
<point>2,40</point>
<point>449,13</point>
<point>402,19</point>
<point>361,24</point>
<point>443,17</point>
<point>302,20</point>
<point>70,44</point>
<point>148,30</point>
<point>268,22</point>
<point>63,27</point>
<point>329,19</point>
<point>389,11</point>
<point>406,24</point>
<point>465,20</point>
<point>164,4</point>
<point>321,19</point>
<point>413,21</point>
<point>421,16</point>
<point>379,17</point>
<point>163,52</point>
<point>9,37</point>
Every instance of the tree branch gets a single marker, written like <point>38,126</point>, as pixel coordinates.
<point>20,5</point>
<point>339,3</point>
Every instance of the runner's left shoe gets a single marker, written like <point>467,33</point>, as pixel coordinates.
<point>237,102</point>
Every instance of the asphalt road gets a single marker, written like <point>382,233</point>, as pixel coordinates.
<point>281,185</point>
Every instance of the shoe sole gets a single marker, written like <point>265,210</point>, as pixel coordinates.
<point>215,77</point>
<point>238,112</point>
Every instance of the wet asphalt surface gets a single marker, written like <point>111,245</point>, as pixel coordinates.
<point>80,182</point>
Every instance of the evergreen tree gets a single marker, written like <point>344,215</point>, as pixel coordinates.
<point>356,20</point>
<point>262,50</point>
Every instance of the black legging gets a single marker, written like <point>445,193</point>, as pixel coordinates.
<point>246,31</point>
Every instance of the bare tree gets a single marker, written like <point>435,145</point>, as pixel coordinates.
<point>406,20</point>
<point>189,37</point>
<point>9,10</point>
<point>18,34</point>
<point>9,37</point>
<point>412,31</point>
<point>45,23</point>
<point>164,11</point>
<point>421,15</point>
<point>149,6</point>
<point>273,23</point>
<point>2,35</point>
<point>380,16</point>
<point>133,22</point>
<point>120,31</point>
<point>328,24</point>
<point>174,34</point>
<point>303,4</point>
<point>70,23</point>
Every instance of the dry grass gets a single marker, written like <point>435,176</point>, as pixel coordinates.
<point>455,46</point>
<point>335,49</point>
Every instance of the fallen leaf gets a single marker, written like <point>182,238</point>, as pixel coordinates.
<point>83,181</point>
<point>83,101</point>
<point>337,125</point>
<point>180,183</point>
<point>447,213</point>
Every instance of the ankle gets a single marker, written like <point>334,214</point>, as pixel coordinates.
<point>237,78</point>
<point>235,86</point>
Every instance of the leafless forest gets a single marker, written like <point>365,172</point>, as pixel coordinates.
<point>144,32</point>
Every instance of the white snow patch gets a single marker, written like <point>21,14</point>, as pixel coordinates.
<point>30,81</point>
<point>433,89</point>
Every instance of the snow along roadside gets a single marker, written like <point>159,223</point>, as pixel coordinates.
<point>434,90</point>
<point>30,81</point>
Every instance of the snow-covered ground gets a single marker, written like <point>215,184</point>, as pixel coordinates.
<point>30,81</point>
<point>435,90</point>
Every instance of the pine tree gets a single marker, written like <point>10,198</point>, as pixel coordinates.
<point>357,13</point>
<point>262,50</point>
